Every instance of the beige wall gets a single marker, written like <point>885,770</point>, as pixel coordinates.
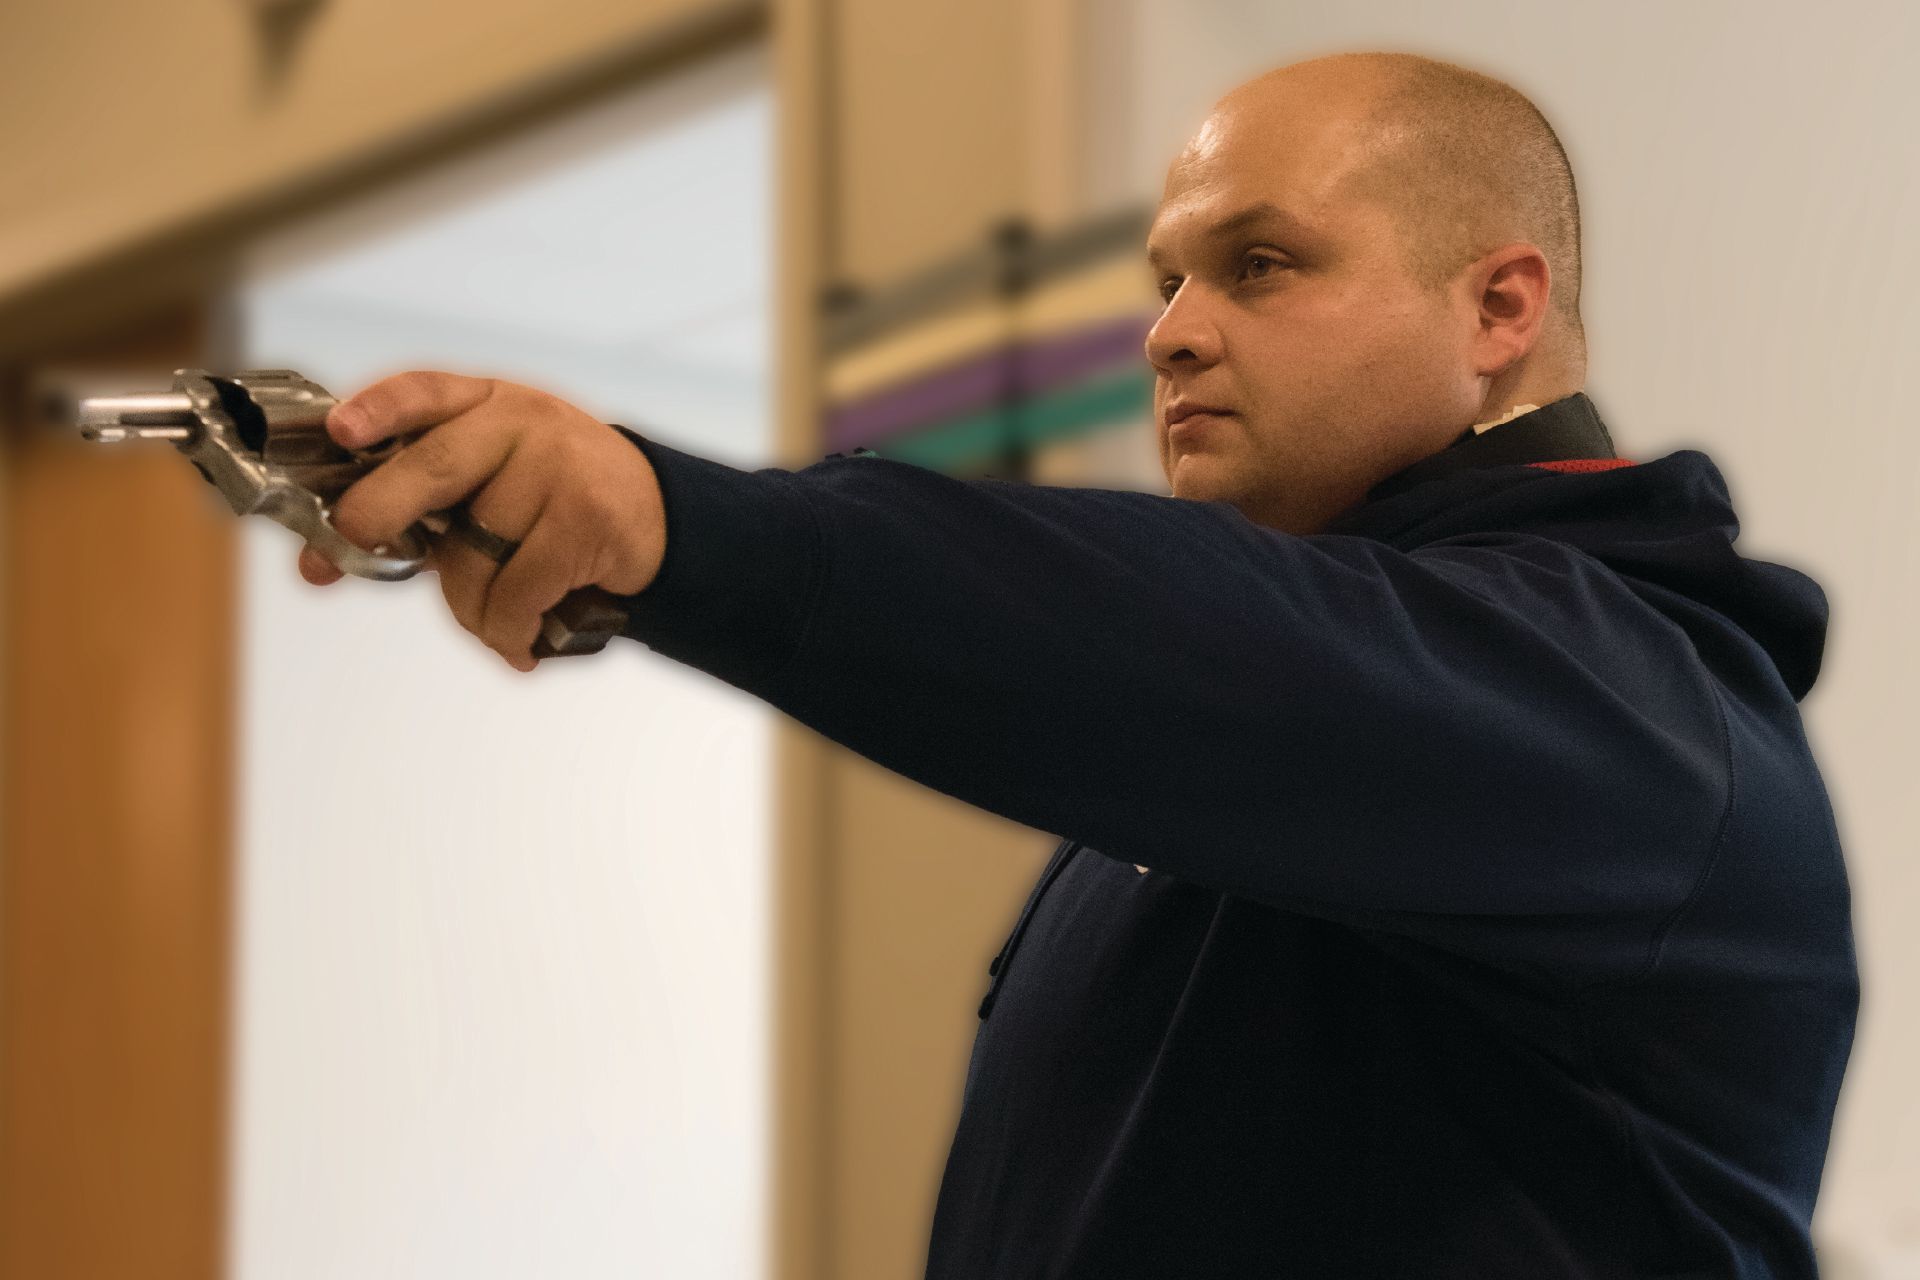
<point>946,116</point>
<point>137,148</point>
<point>132,126</point>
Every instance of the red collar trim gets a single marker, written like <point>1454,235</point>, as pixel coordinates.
<point>1583,464</point>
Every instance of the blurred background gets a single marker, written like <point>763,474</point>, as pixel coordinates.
<point>331,947</point>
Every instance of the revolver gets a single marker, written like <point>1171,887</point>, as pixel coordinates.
<point>260,437</point>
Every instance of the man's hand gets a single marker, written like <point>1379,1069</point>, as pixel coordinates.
<point>581,501</point>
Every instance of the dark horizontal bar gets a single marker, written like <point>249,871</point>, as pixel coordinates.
<point>1012,258</point>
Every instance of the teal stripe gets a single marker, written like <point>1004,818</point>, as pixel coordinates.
<point>968,441</point>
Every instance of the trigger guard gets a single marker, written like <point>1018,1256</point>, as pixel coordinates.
<point>301,510</point>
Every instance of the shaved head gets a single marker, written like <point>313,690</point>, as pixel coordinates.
<point>1461,162</point>
<point>1362,256</point>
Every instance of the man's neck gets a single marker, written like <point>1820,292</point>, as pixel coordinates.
<point>1508,416</point>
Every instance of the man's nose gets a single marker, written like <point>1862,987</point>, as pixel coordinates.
<point>1184,333</point>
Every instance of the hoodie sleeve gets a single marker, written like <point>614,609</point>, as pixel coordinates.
<point>1488,726</point>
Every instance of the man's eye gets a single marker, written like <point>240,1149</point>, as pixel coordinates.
<point>1171,285</point>
<point>1264,259</point>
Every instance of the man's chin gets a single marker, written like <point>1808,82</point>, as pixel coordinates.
<point>1202,483</point>
<point>1197,475</point>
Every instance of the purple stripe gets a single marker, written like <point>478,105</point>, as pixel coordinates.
<point>980,381</point>
<point>950,390</point>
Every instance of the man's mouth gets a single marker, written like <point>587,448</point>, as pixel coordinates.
<point>1180,411</point>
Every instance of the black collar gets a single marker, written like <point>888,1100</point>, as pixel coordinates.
<point>1570,427</point>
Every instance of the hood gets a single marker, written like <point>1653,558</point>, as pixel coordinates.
<point>1667,526</point>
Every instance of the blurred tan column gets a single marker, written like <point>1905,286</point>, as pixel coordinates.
<point>115,852</point>
<point>941,118</point>
<point>799,1192</point>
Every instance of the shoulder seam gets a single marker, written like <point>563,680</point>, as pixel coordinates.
<point>816,588</point>
<point>1660,935</point>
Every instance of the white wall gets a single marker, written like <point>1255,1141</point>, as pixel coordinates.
<point>502,1005</point>
<point>1747,179</point>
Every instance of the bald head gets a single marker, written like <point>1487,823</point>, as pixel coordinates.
<point>1358,257</point>
<point>1458,161</point>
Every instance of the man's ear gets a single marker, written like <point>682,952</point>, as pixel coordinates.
<point>1511,287</point>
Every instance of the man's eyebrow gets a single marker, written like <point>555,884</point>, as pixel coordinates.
<point>1265,211</point>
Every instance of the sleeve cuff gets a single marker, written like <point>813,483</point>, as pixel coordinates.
<point>741,571</point>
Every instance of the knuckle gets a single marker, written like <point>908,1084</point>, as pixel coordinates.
<point>601,509</point>
<point>432,456</point>
<point>573,459</point>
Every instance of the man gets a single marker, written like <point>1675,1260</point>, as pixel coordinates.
<point>1446,886</point>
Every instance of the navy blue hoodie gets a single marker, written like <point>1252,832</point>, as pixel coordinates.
<point>1494,922</point>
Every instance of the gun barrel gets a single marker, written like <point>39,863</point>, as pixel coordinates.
<point>156,415</point>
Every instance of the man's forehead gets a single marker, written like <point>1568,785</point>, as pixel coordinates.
<point>1286,170</point>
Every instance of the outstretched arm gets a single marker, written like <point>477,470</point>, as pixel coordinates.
<point>1485,727</point>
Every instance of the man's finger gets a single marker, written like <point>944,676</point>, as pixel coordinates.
<point>535,578</point>
<point>465,574</point>
<point>402,403</point>
<point>431,473</point>
<point>508,506</point>
<point>316,568</point>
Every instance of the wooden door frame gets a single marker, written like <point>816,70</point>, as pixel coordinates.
<point>116,711</point>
